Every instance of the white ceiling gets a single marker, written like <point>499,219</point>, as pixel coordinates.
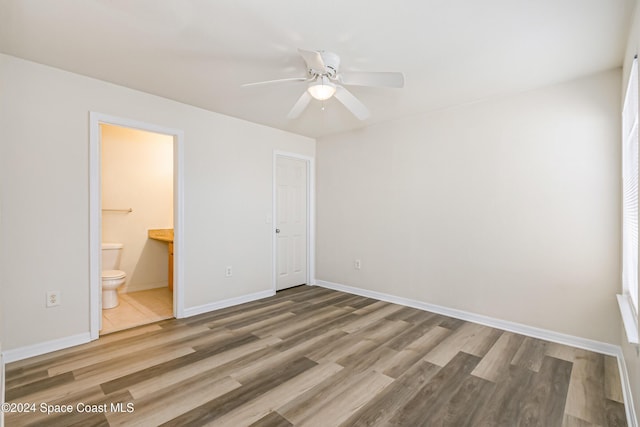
<point>200,52</point>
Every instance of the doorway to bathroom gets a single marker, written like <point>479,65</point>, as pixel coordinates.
<point>135,224</point>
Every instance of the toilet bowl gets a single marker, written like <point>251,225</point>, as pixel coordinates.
<point>111,281</point>
<point>112,278</point>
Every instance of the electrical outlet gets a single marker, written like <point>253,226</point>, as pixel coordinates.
<point>357,264</point>
<point>53,298</point>
<point>228,271</point>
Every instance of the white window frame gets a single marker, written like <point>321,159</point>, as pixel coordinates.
<point>628,300</point>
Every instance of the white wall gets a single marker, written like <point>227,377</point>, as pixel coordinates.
<point>137,173</point>
<point>507,208</point>
<point>45,245</point>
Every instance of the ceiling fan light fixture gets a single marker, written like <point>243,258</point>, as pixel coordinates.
<point>322,88</point>
<point>325,81</point>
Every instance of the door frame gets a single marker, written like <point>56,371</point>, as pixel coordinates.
<point>311,225</point>
<point>95,211</point>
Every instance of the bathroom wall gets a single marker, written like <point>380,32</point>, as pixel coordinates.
<point>137,173</point>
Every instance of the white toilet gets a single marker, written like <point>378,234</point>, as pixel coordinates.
<point>112,278</point>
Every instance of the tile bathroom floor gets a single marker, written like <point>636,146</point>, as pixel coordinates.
<point>138,308</point>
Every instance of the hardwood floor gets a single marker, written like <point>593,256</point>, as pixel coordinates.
<point>316,357</point>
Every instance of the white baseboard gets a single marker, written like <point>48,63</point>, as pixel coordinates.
<point>505,325</point>
<point>45,347</point>
<point>587,344</point>
<point>519,328</point>
<point>62,343</point>
<point>632,421</point>
<point>192,311</point>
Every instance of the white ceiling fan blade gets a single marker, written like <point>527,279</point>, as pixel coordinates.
<point>352,103</point>
<point>299,106</point>
<point>313,59</point>
<point>266,82</point>
<point>380,79</point>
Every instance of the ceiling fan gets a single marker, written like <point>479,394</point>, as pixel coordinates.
<point>324,81</point>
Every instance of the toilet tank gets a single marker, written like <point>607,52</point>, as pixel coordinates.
<point>111,256</point>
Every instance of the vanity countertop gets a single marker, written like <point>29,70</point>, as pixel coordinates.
<point>162,234</point>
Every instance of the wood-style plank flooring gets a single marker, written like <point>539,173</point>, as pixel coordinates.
<point>316,357</point>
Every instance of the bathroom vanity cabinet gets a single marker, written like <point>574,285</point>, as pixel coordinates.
<point>165,235</point>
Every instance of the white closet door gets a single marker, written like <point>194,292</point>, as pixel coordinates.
<point>291,222</point>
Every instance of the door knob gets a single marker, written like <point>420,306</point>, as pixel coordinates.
<point>277,230</point>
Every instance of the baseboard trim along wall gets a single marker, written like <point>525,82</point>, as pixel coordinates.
<point>557,337</point>
<point>193,311</point>
<point>519,328</point>
<point>49,346</point>
<point>20,353</point>
<point>544,334</point>
<point>45,347</point>
<point>632,420</point>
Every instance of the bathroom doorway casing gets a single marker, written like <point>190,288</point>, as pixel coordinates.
<point>95,208</point>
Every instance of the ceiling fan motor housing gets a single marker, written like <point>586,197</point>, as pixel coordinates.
<point>331,62</point>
